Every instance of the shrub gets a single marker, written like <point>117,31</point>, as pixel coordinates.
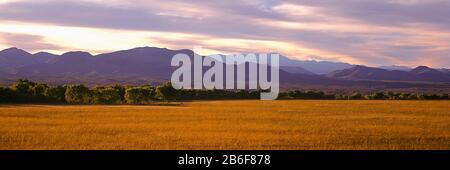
<point>167,93</point>
<point>140,95</point>
<point>106,95</point>
<point>77,94</point>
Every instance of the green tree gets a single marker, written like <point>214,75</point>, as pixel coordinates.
<point>2,95</point>
<point>105,95</point>
<point>404,96</point>
<point>166,92</point>
<point>7,95</point>
<point>133,96</point>
<point>444,96</point>
<point>356,96</point>
<point>412,97</point>
<point>23,89</point>
<point>340,97</point>
<point>56,94</point>
<point>77,94</point>
<point>421,96</point>
<point>121,91</point>
<point>376,96</point>
<point>140,95</point>
<point>38,92</point>
<point>23,86</point>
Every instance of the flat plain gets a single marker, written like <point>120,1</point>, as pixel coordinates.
<point>238,124</point>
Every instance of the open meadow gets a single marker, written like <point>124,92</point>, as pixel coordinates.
<point>244,124</point>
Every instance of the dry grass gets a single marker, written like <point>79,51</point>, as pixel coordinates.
<point>230,125</point>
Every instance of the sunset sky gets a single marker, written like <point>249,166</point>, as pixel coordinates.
<point>369,32</point>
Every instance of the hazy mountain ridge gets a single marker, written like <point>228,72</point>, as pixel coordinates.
<point>132,60</point>
<point>396,67</point>
<point>150,64</point>
<point>421,73</point>
<point>317,67</point>
<point>14,57</point>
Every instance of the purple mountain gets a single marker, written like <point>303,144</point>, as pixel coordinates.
<point>144,65</point>
<point>14,57</point>
<point>316,67</point>
<point>421,73</point>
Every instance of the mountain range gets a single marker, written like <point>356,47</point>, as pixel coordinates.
<point>143,65</point>
<point>419,74</point>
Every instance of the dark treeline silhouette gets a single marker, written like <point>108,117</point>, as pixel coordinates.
<point>388,95</point>
<point>24,91</point>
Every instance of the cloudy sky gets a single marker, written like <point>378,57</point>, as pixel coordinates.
<point>369,32</point>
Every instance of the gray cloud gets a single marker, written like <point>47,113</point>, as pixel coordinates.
<point>73,13</point>
<point>387,12</point>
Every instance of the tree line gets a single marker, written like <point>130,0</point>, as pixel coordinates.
<point>388,95</point>
<point>25,91</point>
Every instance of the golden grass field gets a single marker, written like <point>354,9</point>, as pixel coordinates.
<point>292,125</point>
